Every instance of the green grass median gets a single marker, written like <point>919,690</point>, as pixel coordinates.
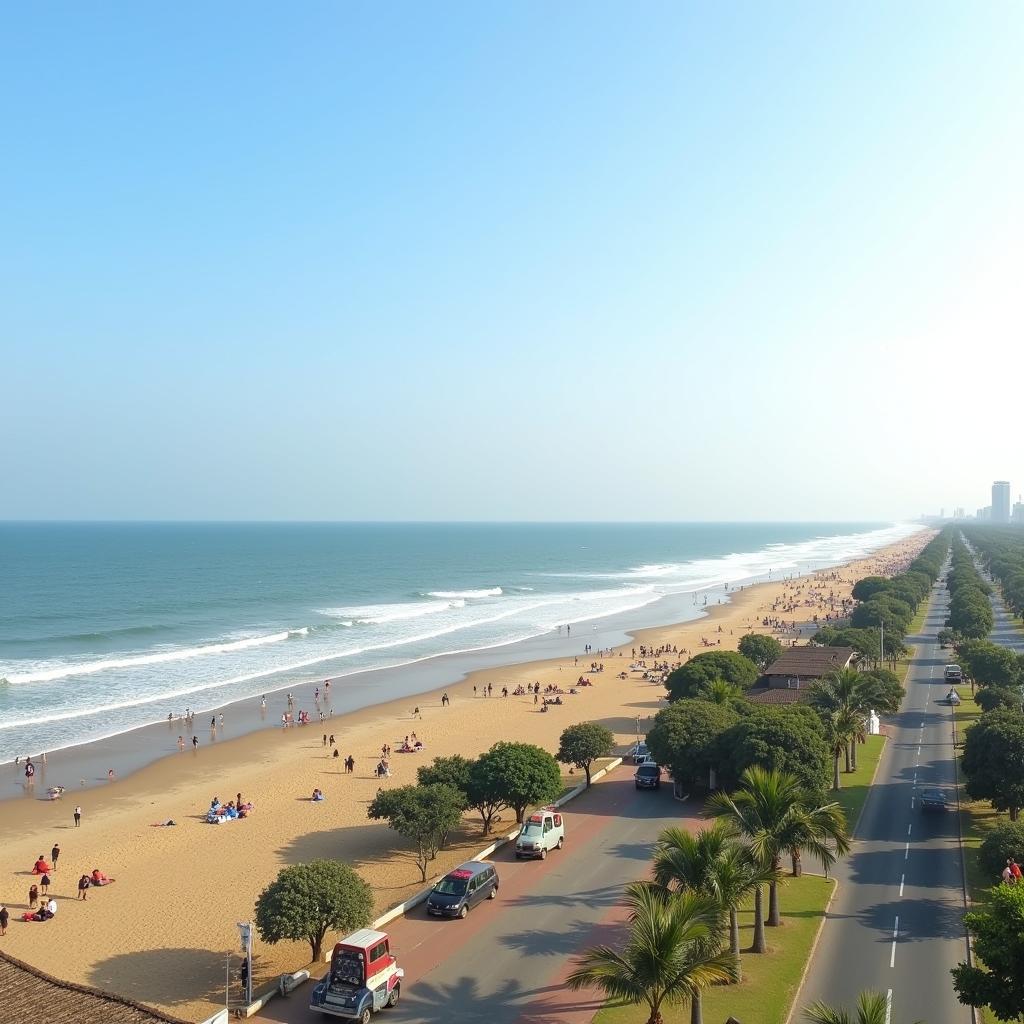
<point>770,980</point>
<point>857,785</point>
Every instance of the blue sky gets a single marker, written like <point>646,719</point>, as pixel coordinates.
<point>574,261</point>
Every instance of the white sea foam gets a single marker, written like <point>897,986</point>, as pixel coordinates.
<point>377,614</point>
<point>468,594</point>
<point>65,669</point>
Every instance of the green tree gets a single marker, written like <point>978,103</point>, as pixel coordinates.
<point>790,739</point>
<point>1004,841</point>
<point>993,760</point>
<point>871,1009</point>
<point>305,900</point>
<point>869,586</point>
<point>720,692</point>
<point>761,650</point>
<point>422,814</point>
<point>669,955</point>
<point>686,738</point>
<point>777,816</point>
<point>855,694</point>
<point>998,932</point>
<point>989,698</point>
<point>711,862</point>
<point>688,679</point>
<point>580,745</point>
<point>522,775</point>
<point>451,771</point>
<point>843,728</point>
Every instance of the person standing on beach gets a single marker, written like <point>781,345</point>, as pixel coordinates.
<point>195,742</point>
<point>181,742</point>
<point>44,883</point>
<point>78,817</point>
<point>4,918</point>
<point>33,896</point>
<point>83,887</point>
<point>55,855</point>
<point>444,699</point>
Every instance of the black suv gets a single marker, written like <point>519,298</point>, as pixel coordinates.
<point>463,888</point>
<point>647,776</point>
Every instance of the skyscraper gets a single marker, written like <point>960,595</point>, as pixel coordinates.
<point>1001,501</point>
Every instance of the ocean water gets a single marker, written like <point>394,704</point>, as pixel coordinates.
<point>109,626</point>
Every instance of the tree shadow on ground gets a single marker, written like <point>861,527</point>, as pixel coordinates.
<point>577,936</point>
<point>167,977</point>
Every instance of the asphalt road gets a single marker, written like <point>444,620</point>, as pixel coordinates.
<point>896,923</point>
<point>506,962</point>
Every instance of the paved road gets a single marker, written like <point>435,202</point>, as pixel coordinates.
<point>896,924</point>
<point>506,963</point>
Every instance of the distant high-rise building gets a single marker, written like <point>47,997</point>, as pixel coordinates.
<point>1017,516</point>
<point>985,513</point>
<point>959,513</point>
<point>1001,501</point>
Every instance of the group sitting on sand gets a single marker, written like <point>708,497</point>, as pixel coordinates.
<point>219,813</point>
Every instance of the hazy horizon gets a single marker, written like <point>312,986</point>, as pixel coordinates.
<point>684,263</point>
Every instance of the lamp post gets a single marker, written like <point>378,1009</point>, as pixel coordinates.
<point>638,722</point>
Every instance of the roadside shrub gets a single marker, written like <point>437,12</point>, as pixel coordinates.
<point>1004,841</point>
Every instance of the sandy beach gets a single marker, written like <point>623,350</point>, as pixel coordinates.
<point>159,934</point>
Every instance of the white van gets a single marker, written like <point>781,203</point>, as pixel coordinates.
<point>541,832</point>
<point>953,674</point>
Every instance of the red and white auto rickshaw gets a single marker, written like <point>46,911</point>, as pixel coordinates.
<point>364,978</point>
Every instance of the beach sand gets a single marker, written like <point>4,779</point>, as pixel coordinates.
<point>160,933</point>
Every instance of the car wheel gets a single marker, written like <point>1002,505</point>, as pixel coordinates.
<point>519,856</point>
<point>395,995</point>
<point>463,910</point>
<point>544,853</point>
<point>561,841</point>
<point>364,1017</point>
<point>493,894</point>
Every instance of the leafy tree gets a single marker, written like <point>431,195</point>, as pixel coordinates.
<point>998,931</point>
<point>761,650</point>
<point>686,739</point>
<point>1004,841</point>
<point>712,862</point>
<point>871,1009</point>
<point>777,816</point>
<point>989,663</point>
<point>866,642</point>
<point>854,694</point>
<point>305,900</point>
<point>705,668</point>
<point>869,586</point>
<point>947,637</point>
<point>883,690</point>
<point>451,771</point>
<point>668,957</point>
<point>988,698</point>
<point>881,610</point>
<point>522,774</point>
<point>422,814</point>
<point>485,792</point>
<point>580,745</point>
<point>787,739</point>
<point>993,760</point>
<point>843,727</point>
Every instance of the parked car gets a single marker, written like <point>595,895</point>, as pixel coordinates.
<point>462,889</point>
<point>639,753</point>
<point>647,776</point>
<point>541,832</point>
<point>933,800</point>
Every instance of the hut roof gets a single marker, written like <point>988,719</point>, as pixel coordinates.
<point>28,994</point>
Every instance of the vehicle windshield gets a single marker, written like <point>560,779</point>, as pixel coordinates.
<point>533,828</point>
<point>451,886</point>
<point>647,769</point>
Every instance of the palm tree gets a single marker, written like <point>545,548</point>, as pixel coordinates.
<point>711,862</point>
<point>847,690</point>
<point>720,691</point>
<point>871,1009</point>
<point>670,956</point>
<point>842,726</point>
<point>776,815</point>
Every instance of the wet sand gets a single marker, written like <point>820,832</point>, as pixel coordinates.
<point>159,934</point>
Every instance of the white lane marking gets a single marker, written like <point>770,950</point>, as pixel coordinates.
<point>888,1007</point>
<point>895,936</point>
<point>918,752</point>
<point>909,827</point>
<point>906,851</point>
<point>915,778</point>
<point>902,877</point>
<point>911,803</point>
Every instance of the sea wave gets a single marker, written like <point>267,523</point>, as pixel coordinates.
<point>466,594</point>
<point>66,669</point>
<point>378,614</point>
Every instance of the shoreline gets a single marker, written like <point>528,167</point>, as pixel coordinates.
<point>194,881</point>
<point>83,767</point>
